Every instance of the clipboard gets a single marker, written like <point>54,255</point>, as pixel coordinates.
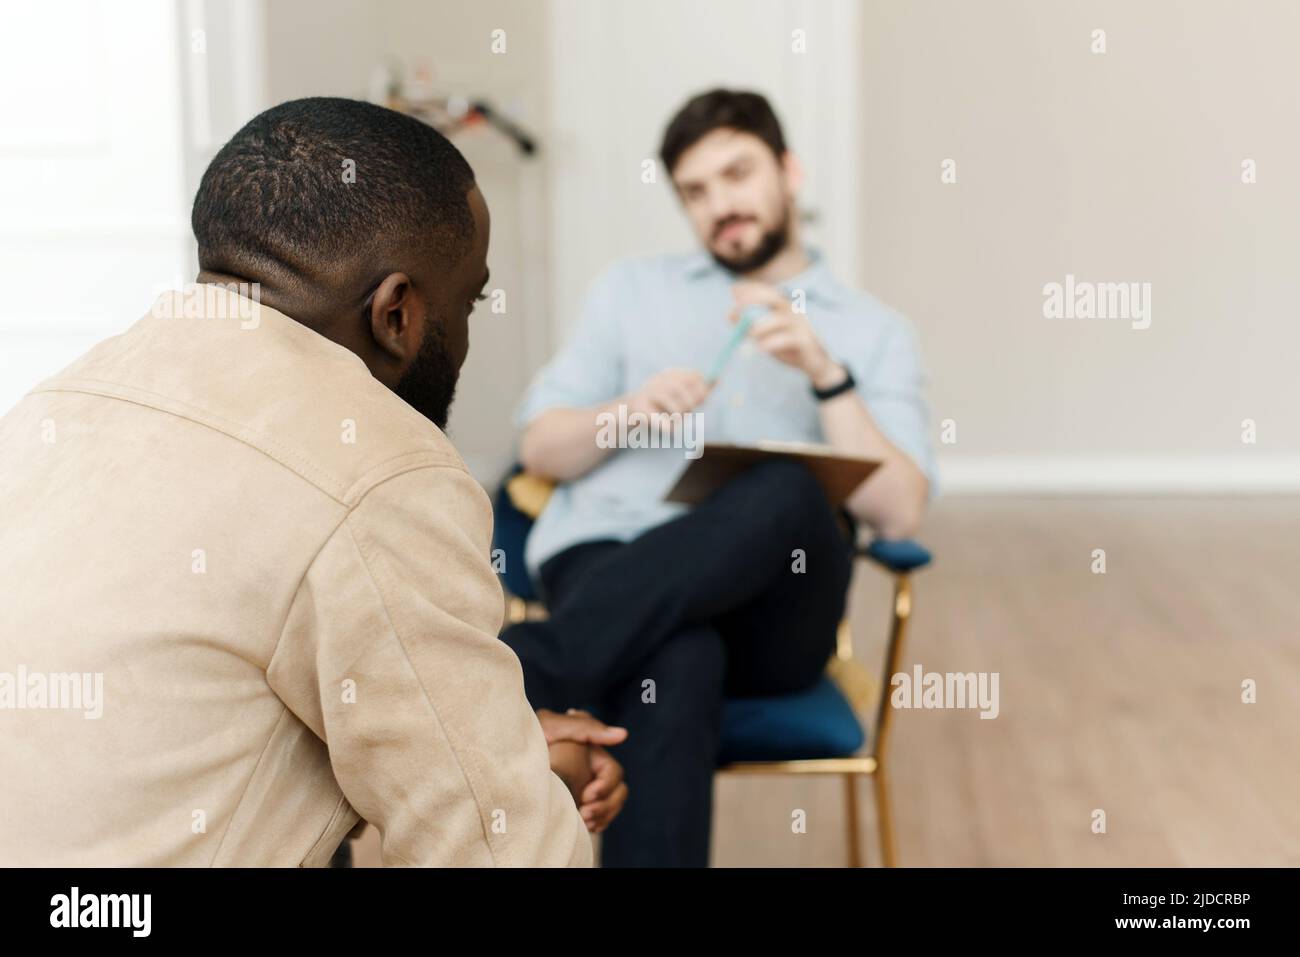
<point>837,473</point>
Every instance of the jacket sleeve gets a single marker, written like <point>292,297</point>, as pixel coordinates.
<point>390,654</point>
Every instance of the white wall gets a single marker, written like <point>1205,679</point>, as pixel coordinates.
<point>621,68</point>
<point>1119,166</point>
<point>1116,167</point>
<point>108,113</point>
<point>92,193</point>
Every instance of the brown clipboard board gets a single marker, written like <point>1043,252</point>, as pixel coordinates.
<point>837,473</point>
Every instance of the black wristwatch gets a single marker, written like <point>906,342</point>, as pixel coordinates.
<point>848,383</point>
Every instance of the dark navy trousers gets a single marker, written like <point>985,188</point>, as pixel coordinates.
<point>739,597</point>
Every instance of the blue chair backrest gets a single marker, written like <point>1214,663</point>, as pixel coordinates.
<point>510,528</point>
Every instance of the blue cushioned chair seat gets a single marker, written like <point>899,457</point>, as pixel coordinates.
<point>903,555</point>
<point>817,723</point>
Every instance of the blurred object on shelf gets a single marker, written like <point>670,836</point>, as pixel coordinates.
<point>448,114</point>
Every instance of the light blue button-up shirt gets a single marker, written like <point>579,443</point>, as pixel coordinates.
<point>648,314</point>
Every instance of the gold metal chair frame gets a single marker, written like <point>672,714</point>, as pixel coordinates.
<point>530,493</point>
<point>873,764</point>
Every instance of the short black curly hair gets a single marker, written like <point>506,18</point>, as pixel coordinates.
<point>720,109</point>
<point>276,196</point>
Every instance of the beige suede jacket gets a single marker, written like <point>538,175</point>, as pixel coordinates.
<point>247,601</point>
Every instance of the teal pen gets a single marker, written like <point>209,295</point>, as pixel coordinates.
<point>748,316</point>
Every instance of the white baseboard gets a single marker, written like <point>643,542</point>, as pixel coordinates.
<point>1243,473</point>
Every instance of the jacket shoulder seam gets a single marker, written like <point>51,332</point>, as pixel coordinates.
<point>345,494</point>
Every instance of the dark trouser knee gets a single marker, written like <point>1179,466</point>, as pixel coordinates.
<point>670,754</point>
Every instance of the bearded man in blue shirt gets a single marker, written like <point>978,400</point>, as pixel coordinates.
<point>659,611</point>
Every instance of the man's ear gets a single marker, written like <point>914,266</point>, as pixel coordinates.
<point>397,318</point>
<point>793,170</point>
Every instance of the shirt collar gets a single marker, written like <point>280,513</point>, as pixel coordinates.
<point>816,281</point>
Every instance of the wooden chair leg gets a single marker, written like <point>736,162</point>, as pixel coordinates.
<point>851,814</point>
<point>885,819</point>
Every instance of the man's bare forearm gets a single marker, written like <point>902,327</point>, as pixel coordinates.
<point>893,500</point>
<point>560,444</point>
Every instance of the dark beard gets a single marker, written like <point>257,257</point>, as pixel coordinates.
<point>773,241</point>
<point>430,384</point>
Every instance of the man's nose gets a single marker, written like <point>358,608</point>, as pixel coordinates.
<point>720,208</point>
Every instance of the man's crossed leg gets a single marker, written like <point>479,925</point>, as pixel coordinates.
<point>739,597</point>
